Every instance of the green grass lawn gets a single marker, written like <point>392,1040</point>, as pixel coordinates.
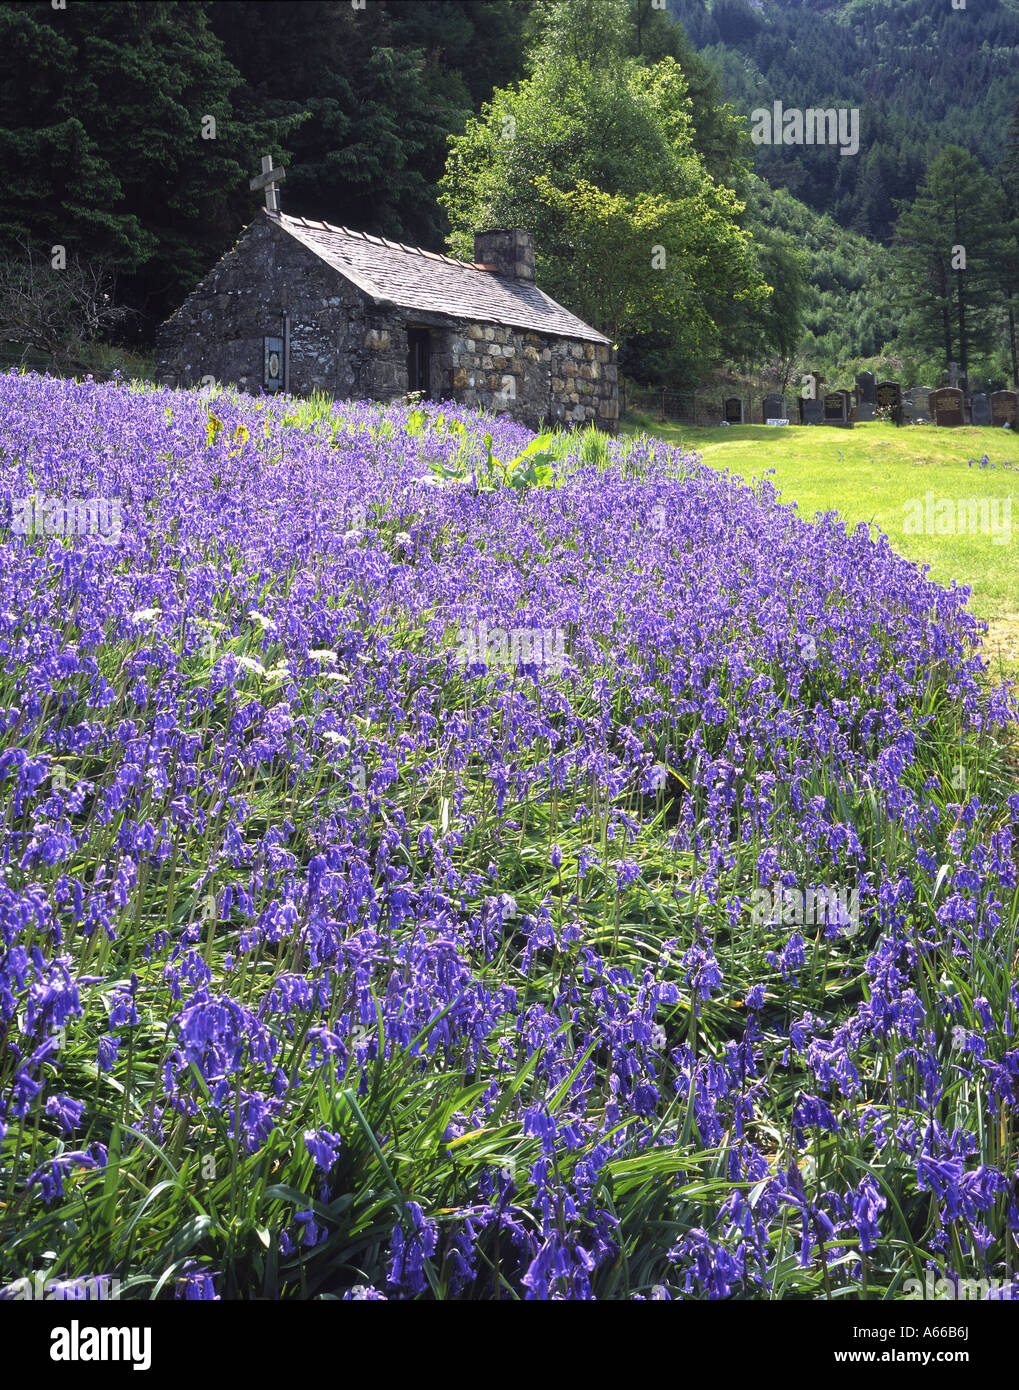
<point>873,473</point>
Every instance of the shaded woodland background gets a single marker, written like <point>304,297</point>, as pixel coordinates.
<point>103,108</point>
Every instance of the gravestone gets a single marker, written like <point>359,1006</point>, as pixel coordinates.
<point>980,410</point>
<point>835,412</point>
<point>1004,405</point>
<point>865,381</point>
<point>888,395</point>
<point>866,410</point>
<point>850,401</point>
<point>947,405</point>
<point>908,408</point>
<point>732,410</point>
<point>811,411</point>
<point>922,401</point>
<point>773,408</point>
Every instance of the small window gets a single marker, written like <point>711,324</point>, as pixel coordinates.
<point>418,360</point>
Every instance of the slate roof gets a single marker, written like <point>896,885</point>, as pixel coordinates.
<point>411,278</point>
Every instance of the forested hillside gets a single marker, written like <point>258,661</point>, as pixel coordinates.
<point>922,74</point>
<point>846,315</point>
<point>129,132</point>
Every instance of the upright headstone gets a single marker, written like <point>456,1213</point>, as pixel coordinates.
<point>732,410</point>
<point>773,408</point>
<point>947,405</point>
<point>907,408</point>
<point>1004,407</point>
<point>865,381</point>
<point>849,397</point>
<point>922,401</point>
<point>811,411</point>
<point>866,410</point>
<point>888,395</point>
<point>835,412</point>
<point>980,409</point>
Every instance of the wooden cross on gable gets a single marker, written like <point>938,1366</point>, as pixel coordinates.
<point>269,179</point>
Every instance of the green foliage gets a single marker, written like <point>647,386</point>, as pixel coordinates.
<point>948,308</point>
<point>357,104</point>
<point>130,183</point>
<point>612,239</point>
<point>586,32</point>
<point>923,75</point>
<point>776,326</point>
<point>632,245</point>
<point>846,317</point>
<point>370,109</point>
<point>719,136</point>
<point>531,468</point>
<point>377,92</point>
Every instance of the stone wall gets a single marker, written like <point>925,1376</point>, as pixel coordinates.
<point>219,329</point>
<point>535,378</point>
<point>585,384</point>
<point>345,345</point>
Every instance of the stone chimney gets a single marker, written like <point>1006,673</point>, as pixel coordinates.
<point>511,252</point>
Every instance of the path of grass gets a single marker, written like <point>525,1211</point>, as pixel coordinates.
<point>872,473</point>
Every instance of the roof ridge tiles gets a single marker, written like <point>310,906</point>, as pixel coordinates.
<point>384,241</point>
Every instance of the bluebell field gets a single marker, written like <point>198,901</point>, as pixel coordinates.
<point>352,949</point>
